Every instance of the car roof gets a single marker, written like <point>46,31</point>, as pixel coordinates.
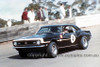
<point>62,25</point>
<point>58,25</point>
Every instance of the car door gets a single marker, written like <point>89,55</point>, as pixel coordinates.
<point>69,38</point>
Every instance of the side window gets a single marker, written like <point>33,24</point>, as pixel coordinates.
<point>66,29</point>
<point>59,29</point>
<point>74,30</point>
<point>69,29</point>
<point>56,29</point>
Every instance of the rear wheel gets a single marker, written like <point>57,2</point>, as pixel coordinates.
<point>83,42</point>
<point>52,49</point>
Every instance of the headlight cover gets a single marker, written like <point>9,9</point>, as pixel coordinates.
<point>15,43</point>
<point>38,42</point>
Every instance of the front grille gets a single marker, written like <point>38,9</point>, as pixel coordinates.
<point>26,43</point>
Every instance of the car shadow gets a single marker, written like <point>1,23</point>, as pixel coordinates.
<point>30,56</point>
<point>45,55</point>
<point>18,57</point>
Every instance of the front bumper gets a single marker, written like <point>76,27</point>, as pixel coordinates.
<point>16,47</point>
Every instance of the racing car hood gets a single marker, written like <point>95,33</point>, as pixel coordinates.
<point>33,37</point>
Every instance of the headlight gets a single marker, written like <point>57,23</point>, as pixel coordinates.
<point>15,43</point>
<point>38,42</point>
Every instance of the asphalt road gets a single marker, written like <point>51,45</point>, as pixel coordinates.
<point>69,57</point>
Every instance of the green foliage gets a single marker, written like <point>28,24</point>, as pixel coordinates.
<point>82,5</point>
<point>17,23</point>
<point>34,6</point>
<point>67,6</point>
<point>77,2</point>
<point>2,23</point>
<point>50,4</point>
<point>57,15</point>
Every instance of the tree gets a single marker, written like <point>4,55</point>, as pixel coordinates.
<point>2,22</point>
<point>34,6</point>
<point>81,5</point>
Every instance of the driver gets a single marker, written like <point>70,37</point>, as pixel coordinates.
<point>65,30</point>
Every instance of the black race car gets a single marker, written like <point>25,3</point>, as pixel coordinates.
<point>51,38</point>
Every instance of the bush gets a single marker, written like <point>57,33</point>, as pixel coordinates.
<point>2,23</point>
<point>17,23</point>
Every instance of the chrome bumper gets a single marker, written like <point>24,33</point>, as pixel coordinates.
<point>30,47</point>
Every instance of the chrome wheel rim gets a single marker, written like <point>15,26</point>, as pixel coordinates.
<point>85,43</point>
<point>54,49</point>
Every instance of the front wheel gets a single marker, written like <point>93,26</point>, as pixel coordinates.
<point>52,49</point>
<point>83,44</point>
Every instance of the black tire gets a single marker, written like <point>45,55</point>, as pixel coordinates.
<point>22,54</point>
<point>52,49</point>
<point>83,44</point>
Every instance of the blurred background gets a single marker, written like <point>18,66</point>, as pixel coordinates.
<point>12,9</point>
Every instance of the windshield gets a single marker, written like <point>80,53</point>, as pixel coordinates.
<point>55,29</point>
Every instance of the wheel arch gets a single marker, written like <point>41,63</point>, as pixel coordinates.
<point>54,40</point>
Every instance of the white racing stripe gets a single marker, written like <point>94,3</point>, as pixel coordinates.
<point>41,39</point>
<point>63,39</point>
<point>32,39</point>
